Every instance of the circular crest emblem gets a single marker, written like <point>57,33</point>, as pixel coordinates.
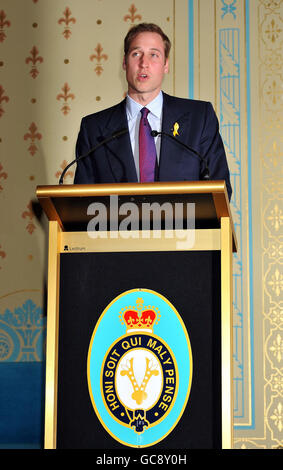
<point>139,368</point>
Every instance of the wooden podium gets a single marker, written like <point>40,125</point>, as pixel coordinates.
<point>66,208</point>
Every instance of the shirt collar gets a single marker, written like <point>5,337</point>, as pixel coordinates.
<point>155,106</point>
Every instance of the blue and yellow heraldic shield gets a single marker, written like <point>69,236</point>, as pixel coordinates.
<point>139,368</point>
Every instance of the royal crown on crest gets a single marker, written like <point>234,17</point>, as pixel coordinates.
<point>139,317</point>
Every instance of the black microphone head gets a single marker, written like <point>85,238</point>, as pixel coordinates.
<point>154,133</point>
<point>205,175</point>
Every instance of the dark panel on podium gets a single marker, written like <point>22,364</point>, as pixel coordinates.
<point>74,211</point>
<point>89,282</point>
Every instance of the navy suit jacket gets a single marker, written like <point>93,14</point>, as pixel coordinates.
<point>114,162</point>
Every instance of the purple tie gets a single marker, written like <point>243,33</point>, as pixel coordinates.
<point>147,150</point>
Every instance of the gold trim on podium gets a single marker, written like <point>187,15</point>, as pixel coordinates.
<point>52,336</point>
<point>107,189</point>
<point>226,333</point>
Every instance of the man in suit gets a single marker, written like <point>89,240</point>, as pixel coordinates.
<point>194,123</point>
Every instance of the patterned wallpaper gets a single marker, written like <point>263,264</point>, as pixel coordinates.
<point>57,63</point>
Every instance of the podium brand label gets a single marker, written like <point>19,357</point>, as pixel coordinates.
<point>139,368</point>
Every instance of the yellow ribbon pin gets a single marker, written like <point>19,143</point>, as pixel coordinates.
<point>175,131</point>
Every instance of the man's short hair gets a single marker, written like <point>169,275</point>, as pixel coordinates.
<point>146,28</point>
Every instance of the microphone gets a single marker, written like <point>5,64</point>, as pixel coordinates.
<point>114,135</point>
<point>205,174</point>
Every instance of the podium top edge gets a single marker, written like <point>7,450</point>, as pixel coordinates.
<point>47,194</point>
<point>106,189</point>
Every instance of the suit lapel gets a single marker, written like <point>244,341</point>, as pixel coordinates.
<point>175,117</point>
<point>120,154</point>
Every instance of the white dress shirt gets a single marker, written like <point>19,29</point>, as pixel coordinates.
<point>154,118</point>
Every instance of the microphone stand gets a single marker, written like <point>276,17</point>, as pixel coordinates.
<point>105,141</point>
<point>205,173</point>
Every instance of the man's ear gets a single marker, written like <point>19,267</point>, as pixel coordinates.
<point>166,66</point>
<point>124,63</point>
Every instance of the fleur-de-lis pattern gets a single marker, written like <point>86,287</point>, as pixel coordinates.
<point>34,58</point>
<point>132,16</point>
<point>2,254</point>
<point>4,23</point>
<point>98,57</point>
<point>3,99</point>
<point>67,20</point>
<point>65,96</point>
<point>29,215</point>
<point>68,174</point>
<point>33,135</point>
<point>3,176</point>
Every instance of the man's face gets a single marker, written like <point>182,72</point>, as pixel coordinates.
<point>145,66</point>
